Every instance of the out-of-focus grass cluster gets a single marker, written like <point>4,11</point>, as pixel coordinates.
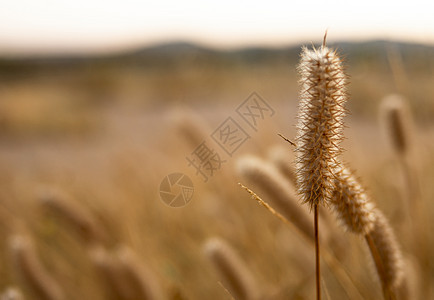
<point>104,131</point>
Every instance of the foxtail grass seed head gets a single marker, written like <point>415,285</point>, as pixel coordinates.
<point>351,203</point>
<point>411,285</point>
<point>388,249</point>
<point>124,274</point>
<point>190,127</point>
<point>236,276</point>
<point>108,271</point>
<point>396,119</point>
<point>11,294</point>
<point>281,193</point>
<point>142,284</point>
<point>31,270</point>
<point>74,214</point>
<point>320,123</point>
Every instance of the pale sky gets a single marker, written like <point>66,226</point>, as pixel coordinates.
<point>103,26</point>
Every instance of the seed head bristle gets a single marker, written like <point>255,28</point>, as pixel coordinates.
<point>320,123</point>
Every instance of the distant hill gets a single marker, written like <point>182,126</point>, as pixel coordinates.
<point>175,53</point>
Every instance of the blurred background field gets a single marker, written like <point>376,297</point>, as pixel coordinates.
<point>106,129</point>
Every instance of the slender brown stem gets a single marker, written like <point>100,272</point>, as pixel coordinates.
<point>317,257</point>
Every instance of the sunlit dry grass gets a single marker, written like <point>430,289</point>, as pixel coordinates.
<point>110,155</point>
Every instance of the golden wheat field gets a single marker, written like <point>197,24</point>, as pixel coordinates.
<point>86,145</point>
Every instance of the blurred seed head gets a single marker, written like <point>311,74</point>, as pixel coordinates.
<point>396,119</point>
<point>12,293</point>
<point>190,127</point>
<point>237,277</point>
<point>281,157</point>
<point>280,192</point>
<point>124,274</point>
<point>142,284</point>
<point>74,214</point>
<point>31,270</point>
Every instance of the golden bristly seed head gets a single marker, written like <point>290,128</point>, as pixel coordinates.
<point>389,251</point>
<point>352,204</point>
<point>320,123</point>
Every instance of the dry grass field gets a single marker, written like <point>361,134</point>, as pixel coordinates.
<point>85,144</point>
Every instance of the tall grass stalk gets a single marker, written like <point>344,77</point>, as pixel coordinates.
<point>320,126</point>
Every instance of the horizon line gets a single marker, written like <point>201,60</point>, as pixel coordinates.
<point>119,49</point>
